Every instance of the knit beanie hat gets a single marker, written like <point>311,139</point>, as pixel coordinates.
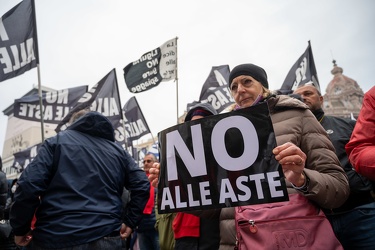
<point>249,69</point>
<point>201,109</point>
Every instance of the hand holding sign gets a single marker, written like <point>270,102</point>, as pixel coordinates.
<point>154,174</point>
<point>292,160</point>
<point>220,161</point>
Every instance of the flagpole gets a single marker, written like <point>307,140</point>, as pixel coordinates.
<point>176,80</point>
<point>123,126</point>
<point>122,112</point>
<point>39,77</point>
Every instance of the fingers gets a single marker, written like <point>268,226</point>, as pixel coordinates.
<point>156,165</point>
<point>154,174</point>
<point>23,240</point>
<point>125,231</point>
<point>292,160</point>
<point>289,154</point>
<point>154,183</point>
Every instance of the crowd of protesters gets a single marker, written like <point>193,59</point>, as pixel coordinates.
<point>71,196</point>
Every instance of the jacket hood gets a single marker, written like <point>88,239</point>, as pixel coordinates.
<point>206,106</point>
<point>95,124</point>
<point>282,102</point>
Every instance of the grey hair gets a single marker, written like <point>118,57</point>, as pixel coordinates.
<point>78,115</point>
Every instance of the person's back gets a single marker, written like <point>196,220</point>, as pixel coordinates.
<point>79,176</point>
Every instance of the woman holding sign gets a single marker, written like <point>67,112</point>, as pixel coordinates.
<point>304,151</point>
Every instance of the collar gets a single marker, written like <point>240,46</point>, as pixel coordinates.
<point>319,114</point>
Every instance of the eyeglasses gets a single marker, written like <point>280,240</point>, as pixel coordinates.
<point>147,161</point>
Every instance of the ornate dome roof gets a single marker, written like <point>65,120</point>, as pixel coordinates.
<point>343,95</point>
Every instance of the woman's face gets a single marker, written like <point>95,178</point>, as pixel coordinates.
<point>245,90</point>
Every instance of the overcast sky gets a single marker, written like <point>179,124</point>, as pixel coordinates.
<point>80,41</point>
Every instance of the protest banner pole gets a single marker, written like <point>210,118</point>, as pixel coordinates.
<point>176,79</point>
<point>122,112</point>
<point>39,77</point>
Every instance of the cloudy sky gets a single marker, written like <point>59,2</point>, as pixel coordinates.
<point>81,41</point>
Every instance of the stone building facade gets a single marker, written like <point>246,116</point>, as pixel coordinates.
<point>343,97</point>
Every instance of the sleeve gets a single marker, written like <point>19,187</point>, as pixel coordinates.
<point>139,187</point>
<point>328,183</point>
<point>361,146</point>
<point>32,184</point>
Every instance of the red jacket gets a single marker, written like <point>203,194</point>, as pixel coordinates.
<point>361,147</point>
<point>185,225</point>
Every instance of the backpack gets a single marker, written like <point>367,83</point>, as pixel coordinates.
<point>294,224</point>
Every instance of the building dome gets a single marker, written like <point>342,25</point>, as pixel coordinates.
<point>343,95</point>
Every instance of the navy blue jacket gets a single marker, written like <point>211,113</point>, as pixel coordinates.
<point>79,176</point>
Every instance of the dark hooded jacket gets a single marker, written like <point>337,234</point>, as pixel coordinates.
<point>75,185</point>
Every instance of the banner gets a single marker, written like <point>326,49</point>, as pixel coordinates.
<point>23,158</point>
<point>153,67</point>
<point>104,98</point>
<point>302,72</point>
<point>56,105</point>
<point>135,123</point>
<point>18,41</point>
<point>215,90</point>
<point>154,149</point>
<point>220,161</point>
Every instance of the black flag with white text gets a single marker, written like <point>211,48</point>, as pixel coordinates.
<point>152,68</point>
<point>104,98</point>
<point>23,158</point>
<point>18,41</point>
<point>215,90</point>
<point>56,105</point>
<point>302,72</point>
<point>135,123</point>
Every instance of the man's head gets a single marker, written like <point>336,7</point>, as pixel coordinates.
<point>310,96</point>
<point>148,161</point>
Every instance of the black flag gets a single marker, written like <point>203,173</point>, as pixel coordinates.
<point>135,123</point>
<point>215,90</point>
<point>152,68</point>
<point>56,105</point>
<point>23,158</point>
<point>18,41</point>
<point>103,98</point>
<point>302,72</point>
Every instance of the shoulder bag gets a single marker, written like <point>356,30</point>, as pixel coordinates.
<point>294,224</point>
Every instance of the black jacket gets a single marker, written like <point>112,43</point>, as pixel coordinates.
<point>79,176</point>
<point>339,131</point>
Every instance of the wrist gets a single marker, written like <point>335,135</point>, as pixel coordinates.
<point>304,187</point>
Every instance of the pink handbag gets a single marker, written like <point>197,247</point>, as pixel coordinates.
<point>294,224</point>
